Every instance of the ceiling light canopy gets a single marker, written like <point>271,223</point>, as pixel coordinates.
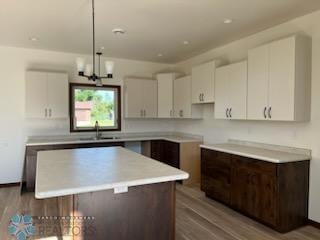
<point>228,21</point>
<point>89,70</point>
<point>34,39</point>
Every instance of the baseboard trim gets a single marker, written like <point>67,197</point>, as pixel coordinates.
<point>6,185</point>
<point>314,224</point>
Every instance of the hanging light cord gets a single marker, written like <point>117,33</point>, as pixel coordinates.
<point>94,46</point>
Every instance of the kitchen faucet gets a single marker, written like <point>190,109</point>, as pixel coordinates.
<point>97,127</point>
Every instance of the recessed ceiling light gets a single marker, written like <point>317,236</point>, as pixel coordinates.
<point>227,20</point>
<point>118,31</point>
<point>34,39</point>
<point>185,42</point>
<point>160,55</point>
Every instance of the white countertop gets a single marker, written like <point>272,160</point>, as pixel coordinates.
<point>67,172</point>
<point>84,140</point>
<point>258,153</point>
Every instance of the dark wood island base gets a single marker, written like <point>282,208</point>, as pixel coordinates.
<point>144,212</point>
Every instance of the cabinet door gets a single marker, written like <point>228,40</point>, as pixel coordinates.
<point>182,97</point>
<point>254,189</point>
<point>258,83</point>
<point>58,95</point>
<point>165,95</point>
<point>157,150</point>
<point>36,95</point>
<point>222,93</point>
<point>150,99</point>
<point>171,153</point>
<point>237,93</point>
<point>216,175</point>
<point>133,98</point>
<point>282,79</point>
<point>203,83</point>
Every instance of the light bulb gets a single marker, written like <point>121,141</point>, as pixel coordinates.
<point>109,68</point>
<point>88,71</point>
<point>99,83</point>
<point>80,64</point>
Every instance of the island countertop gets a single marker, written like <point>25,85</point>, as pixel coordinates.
<point>68,172</point>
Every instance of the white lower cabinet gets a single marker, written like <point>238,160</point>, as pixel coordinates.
<point>231,91</point>
<point>46,95</point>
<point>140,98</point>
<point>183,107</point>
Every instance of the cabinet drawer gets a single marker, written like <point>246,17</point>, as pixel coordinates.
<point>254,165</point>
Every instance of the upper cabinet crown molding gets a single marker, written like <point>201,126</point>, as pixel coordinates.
<point>231,91</point>
<point>140,98</point>
<point>203,81</point>
<point>46,95</point>
<point>165,94</point>
<point>279,80</point>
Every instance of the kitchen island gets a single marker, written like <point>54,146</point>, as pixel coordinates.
<point>124,194</point>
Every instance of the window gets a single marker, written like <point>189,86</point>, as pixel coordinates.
<point>90,104</point>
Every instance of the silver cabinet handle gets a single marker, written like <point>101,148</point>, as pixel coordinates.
<point>265,112</point>
<point>46,112</point>
<point>200,97</point>
<point>227,110</point>
<point>50,112</point>
<point>230,112</point>
<point>269,113</point>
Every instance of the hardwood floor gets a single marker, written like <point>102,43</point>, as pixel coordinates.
<point>198,218</point>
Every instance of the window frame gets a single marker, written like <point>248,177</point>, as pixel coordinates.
<point>73,128</point>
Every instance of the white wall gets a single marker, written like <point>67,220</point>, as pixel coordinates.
<point>305,135</point>
<point>14,128</point>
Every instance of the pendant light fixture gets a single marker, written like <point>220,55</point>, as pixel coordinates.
<point>89,70</point>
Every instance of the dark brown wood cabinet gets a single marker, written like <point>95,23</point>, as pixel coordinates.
<point>166,152</point>
<point>274,194</point>
<point>30,165</point>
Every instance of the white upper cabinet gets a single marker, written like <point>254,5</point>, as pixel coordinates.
<point>150,98</point>
<point>258,82</point>
<point>165,94</point>
<point>183,107</point>
<point>58,95</point>
<point>140,98</point>
<point>46,95</point>
<point>203,81</point>
<point>279,80</point>
<point>231,91</point>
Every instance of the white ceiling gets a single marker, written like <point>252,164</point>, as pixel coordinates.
<point>153,26</point>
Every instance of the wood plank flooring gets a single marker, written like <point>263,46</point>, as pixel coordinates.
<point>198,218</point>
